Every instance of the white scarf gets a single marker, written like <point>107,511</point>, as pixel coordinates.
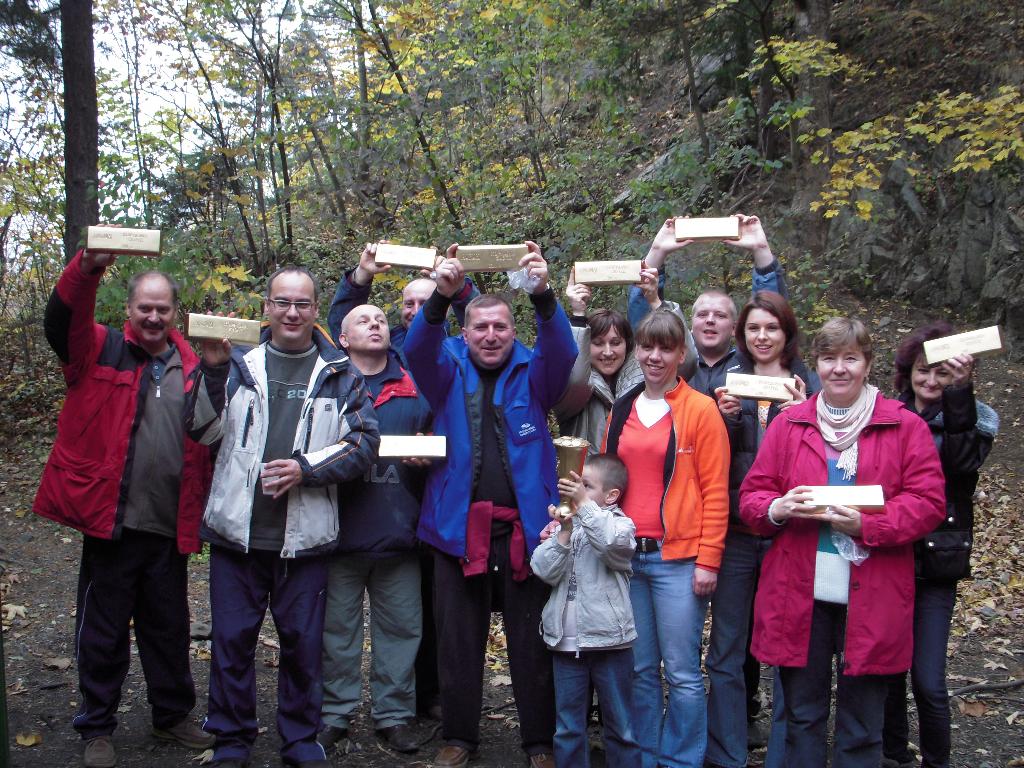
<point>850,425</point>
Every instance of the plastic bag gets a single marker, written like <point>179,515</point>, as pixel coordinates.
<point>849,549</point>
<point>520,280</point>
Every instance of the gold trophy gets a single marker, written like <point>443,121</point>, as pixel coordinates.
<point>571,453</point>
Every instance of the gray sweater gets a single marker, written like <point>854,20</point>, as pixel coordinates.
<point>600,551</point>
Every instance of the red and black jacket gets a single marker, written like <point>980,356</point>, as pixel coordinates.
<point>84,484</point>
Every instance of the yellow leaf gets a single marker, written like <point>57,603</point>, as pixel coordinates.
<point>28,739</point>
<point>864,209</point>
<point>193,195</point>
<point>206,168</point>
<point>489,14</point>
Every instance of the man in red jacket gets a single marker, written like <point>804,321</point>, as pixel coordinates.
<point>124,473</point>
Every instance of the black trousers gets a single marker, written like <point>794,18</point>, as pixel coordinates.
<point>428,685</point>
<point>462,611</point>
<point>141,577</point>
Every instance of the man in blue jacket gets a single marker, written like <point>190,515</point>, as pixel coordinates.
<point>486,504</point>
<point>377,554</point>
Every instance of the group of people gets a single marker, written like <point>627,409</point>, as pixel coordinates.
<point>691,498</point>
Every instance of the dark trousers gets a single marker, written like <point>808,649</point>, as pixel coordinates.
<point>860,700</point>
<point>933,612</point>
<point>241,587</point>
<point>462,610</point>
<point>141,577</point>
<point>428,685</point>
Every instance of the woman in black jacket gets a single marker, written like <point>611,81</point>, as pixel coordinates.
<point>768,336</point>
<point>963,429</point>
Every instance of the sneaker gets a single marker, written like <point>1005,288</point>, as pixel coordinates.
<point>400,738</point>
<point>186,733</point>
<point>99,753</point>
<point>332,737</point>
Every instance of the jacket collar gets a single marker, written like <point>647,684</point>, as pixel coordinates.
<point>887,411</point>
<point>189,359</point>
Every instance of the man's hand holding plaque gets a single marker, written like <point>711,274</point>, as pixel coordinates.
<point>448,272</point>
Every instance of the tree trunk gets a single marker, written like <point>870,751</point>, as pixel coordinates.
<point>813,18</point>
<point>81,123</point>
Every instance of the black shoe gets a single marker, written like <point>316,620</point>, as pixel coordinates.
<point>332,737</point>
<point>400,738</point>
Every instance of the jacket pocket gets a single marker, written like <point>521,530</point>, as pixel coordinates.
<point>944,555</point>
<point>522,424</point>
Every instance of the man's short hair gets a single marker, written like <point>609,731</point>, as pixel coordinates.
<point>294,268</point>
<point>612,471</point>
<point>717,294</point>
<point>486,300</point>
<point>136,280</point>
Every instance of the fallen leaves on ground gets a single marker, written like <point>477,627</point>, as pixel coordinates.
<point>29,739</point>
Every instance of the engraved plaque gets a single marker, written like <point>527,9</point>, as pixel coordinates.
<point>607,272</point>
<point>979,342</point>
<point>137,242</point>
<point>708,229</point>
<point>234,329</point>
<point>759,387</point>
<point>860,496</point>
<point>413,446</point>
<point>405,256</point>
<point>491,258</point>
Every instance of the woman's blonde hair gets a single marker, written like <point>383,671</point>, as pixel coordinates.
<point>838,334</point>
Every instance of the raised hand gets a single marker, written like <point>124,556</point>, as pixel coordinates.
<point>368,267</point>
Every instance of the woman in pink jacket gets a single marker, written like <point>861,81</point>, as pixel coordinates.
<point>837,582</point>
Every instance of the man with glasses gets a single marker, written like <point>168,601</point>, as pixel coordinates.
<point>292,418</point>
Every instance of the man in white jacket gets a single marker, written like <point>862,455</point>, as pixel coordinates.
<point>292,418</point>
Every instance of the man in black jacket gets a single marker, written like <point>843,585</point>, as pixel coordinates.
<point>377,555</point>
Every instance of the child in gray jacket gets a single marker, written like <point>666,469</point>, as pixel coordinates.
<point>588,620</point>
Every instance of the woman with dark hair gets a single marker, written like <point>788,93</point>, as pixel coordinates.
<point>605,366</point>
<point>838,582</point>
<point>963,429</point>
<point>675,447</point>
<point>768,337</point>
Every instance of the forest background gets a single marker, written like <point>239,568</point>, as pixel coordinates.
<point>881,142</point>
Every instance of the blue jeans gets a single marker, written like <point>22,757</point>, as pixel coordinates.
<point>727,651</point>
<point>775,757</point>
<point>669,622</point>
<point>611,673</point>
<point>933,611</point>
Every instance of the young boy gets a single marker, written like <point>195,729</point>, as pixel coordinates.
<point>588,620</point>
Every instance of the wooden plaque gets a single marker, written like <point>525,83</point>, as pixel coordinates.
<point>860,496</point>
<point>759,387</point>
<point>234,329</point>
<point>491,258</point>
<point>980,342</point>
<point>405,256</point>
<point>136,242</point>
<point>708,229</point>
<point>607,272</point>
<point>413,446</point>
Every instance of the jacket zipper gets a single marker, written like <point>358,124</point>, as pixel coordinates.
<point>248,422</point>
<point>309,428</point>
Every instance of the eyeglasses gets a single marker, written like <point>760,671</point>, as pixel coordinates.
<point>283,305</point>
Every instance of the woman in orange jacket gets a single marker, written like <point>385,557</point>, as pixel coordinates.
<point>676,449</point>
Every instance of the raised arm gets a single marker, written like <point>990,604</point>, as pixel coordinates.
<point>69,321</point>
<point>354,288</point>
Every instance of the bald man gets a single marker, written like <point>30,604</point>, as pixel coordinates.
<point>354,290</point>
<point>378,555</point>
